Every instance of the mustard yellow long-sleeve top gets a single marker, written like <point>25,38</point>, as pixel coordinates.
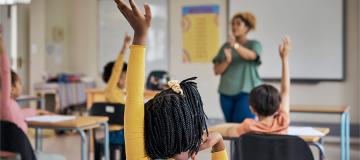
<point>134,110</point>
<point>113,93</point>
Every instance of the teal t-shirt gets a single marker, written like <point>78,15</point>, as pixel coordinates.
<point>241,75</point>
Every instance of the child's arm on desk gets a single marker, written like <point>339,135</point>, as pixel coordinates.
<point>284,50</point>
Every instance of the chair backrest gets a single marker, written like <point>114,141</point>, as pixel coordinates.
<point>273,147</point>
<point>13,139</point>
<point>115,111</point>
<point>159,75</point>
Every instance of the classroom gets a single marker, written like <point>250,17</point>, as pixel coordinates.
<point>180,79</point>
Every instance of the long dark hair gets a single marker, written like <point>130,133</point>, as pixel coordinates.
<point>174,123</point>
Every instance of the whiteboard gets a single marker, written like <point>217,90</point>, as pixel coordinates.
<point>317,31</point>
<point>113,26</point>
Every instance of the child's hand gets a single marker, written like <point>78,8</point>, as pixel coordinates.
<point>139,22</point>
<point>285,47</point>
<point>127,41</point>
<point>228,55</point>
<point>213,140</point>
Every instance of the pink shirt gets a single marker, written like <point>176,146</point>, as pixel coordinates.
<point>9,109</point>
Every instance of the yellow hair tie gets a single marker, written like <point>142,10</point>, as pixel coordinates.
<point>175,86</point>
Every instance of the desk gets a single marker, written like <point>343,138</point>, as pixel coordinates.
<point>27,98</point>
<point>311,140</point>
<point>66,94</point>
<point>98,95</point>
<point>79,124</point>
<point>343,111</point>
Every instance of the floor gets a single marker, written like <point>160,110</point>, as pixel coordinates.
<point>69,146</point>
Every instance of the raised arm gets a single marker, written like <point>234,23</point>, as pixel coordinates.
<point>284,50</point>
<point>5,83</point>
<point>134,111</point>
<point>112,87</point>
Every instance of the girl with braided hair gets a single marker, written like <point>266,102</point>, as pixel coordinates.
<point>172,124</point>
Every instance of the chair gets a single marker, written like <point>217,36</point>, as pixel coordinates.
<point>273,147</point>
<point>162,77</point>
<point>115,112</point>
<point>13,139</point>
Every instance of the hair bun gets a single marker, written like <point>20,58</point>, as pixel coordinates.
<point>175,86</point>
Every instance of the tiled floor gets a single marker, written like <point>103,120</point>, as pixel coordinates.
<point>69,146</point>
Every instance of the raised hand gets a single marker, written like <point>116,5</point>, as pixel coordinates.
<point>138,21</point>
<point>127,41</point>
<point>1,40</point>
<point>285,47</point>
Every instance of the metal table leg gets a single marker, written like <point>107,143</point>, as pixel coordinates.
<point>320,148</point>
<point>347,136</point>
<point>83,144</point>
<point>38,139</point>
<point>106,143</point>
<point>342,135</point>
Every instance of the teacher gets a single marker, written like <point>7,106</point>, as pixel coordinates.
<point>237,63</point>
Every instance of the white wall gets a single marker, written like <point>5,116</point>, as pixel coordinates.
<point>37,42</point>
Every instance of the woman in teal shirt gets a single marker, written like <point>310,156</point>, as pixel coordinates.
<point>237,62</point>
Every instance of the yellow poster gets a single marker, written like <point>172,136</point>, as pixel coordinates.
<point>200,33</point>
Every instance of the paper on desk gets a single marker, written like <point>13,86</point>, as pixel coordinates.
<point>50,118</point>
<point>304,131</point>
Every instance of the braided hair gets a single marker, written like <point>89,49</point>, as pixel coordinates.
<point>174,123</point>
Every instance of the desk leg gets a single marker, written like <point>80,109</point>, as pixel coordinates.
<point>320,148</point>
<point>106,144</point>
<point>42,102</point>
<point>38,139</point>
<point>83,144</point>
<point>342,135</point>
<point>347,136</point>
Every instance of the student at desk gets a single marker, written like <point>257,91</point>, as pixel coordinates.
<point>269,105</point>
<point>115,75</point>
<point>11,88</point>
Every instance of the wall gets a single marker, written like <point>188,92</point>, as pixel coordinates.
<point>57,36</point>
<point>37,42</point>
<point>207,82</point>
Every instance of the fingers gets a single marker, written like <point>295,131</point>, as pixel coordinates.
<point>134,7</point>
<point>124,8</point>
<point>148,14</point>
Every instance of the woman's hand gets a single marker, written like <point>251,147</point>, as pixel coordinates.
<point>139,22</point>
<point>213,140</point>
<point>228,55</point>
<point>285,47</point>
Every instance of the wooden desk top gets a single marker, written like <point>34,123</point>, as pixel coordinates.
<point>318,109</point>
<point>27,98</point>
<point>222,129</point>
<point>115,127</point>
<point>78,122</point>
<point>148,94</point>
<point>324,131</point>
